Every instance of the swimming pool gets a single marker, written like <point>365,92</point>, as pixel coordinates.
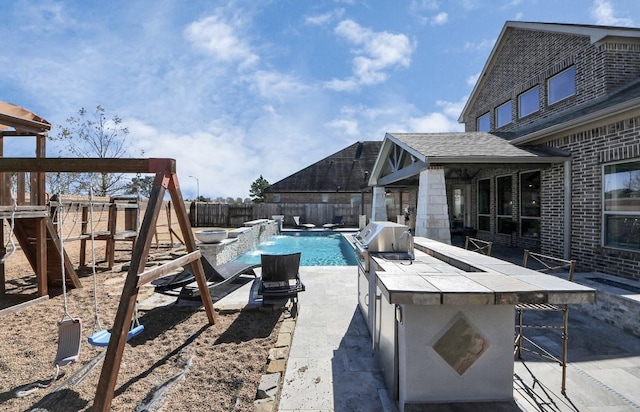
<point>318,249</point>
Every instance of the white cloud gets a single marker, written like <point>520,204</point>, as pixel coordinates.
<point>324,19</point>
<point>603,13</point>
<point>46,16</point>
<point>419,5</point>
<point>440,19</point>
<point>473,79</point>
<point>483,44</point>
<point>375,53</point>
<point>469,4</point>
<point>220,39</point>
<point>452,109</point>
<point>206,155</point>
<point>275,85</point>
<point>434,123</point>
<point>348,127</point>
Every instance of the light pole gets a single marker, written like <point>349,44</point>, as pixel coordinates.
<point>197,198</point>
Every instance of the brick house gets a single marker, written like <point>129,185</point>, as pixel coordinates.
<point>335,185</point>
<point>338,178</point>
<point>550,156</point>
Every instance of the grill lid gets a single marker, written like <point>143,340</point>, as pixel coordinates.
<point>384,237</point>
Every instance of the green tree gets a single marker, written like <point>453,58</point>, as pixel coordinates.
<point>89,135</point>
<point>140,185</point>
<point>257,190</point>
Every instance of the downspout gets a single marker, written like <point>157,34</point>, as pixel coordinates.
<point>567,209</point>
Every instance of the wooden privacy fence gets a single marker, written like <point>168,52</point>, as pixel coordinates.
<point>203,214</point>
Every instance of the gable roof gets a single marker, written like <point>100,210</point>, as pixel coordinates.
<point>21,120</point>
<point>456,149</point>
<point>344,171</point>
<point>469,147</point>
<point>595,34</point>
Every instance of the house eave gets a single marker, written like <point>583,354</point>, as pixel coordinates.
<point>484,160</point>
<point>621,110</point>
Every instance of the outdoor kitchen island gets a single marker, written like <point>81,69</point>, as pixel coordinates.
<point>443,327</point>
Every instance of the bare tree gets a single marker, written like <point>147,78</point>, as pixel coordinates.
<point>94,135</point>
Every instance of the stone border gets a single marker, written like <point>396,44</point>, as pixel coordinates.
<point>268,394</point>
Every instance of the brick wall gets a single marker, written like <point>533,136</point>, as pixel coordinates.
<point>590,150</point>
<point>529,58</point>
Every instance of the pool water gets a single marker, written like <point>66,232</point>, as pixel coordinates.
<point>318,249</point>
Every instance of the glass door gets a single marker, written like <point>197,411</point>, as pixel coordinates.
<point>459,201</point>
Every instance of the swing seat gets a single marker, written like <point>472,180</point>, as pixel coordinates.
<point>102,337</point>
<point>69,337</point>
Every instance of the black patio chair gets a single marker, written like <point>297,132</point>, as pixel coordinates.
<point>281,278</point>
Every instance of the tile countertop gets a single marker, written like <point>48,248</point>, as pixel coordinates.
<point>442,274</point>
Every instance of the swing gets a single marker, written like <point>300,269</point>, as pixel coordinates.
<point>69,330</point>
<point>101,336</point>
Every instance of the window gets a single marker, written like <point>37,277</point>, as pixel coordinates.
<point>484,122</point>
<point>484,204</point>
<point>562,85</point>
<point>621,220</point>
<point>325,198</point>
<point>530,204</point>
<point>529,102</point>
<point>356,200</point>
<point>503,114</point>
<point>276,198</point>
<point>504,203</point>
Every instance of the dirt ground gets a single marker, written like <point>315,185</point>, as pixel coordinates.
<point>179,363</point>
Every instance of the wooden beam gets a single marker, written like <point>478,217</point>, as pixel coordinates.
<point>22,306</point>
<point>406,172</point>
<point>21,124</point>
<point>190,244</point>
<point>87,165</point>
<point>162,270</point>
<point>124,314</point>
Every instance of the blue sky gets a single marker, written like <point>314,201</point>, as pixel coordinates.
<point>238,89</point>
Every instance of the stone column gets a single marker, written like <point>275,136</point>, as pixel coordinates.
<point>378,205</point>
<point>432,215</point>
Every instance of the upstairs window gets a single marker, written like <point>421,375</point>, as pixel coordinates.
<point>503,114</point>
<point>562,85</point>
<point>529,102</point>
<point>484,122</point>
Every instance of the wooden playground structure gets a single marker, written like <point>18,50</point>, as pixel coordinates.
<point>37,236</point>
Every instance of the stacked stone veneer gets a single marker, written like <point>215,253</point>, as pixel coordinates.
<point>239,241</point>
<point>432,213</point>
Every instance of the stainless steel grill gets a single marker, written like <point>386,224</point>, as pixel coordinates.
<point>384,237</point>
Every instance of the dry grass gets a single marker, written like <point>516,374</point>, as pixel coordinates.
<point>221,364</point>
